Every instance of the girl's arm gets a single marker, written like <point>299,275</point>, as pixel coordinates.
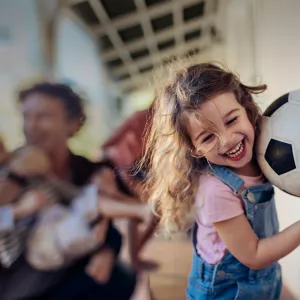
<point>111,208</point>
<point>244,244</point>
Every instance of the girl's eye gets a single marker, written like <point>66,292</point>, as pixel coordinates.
<point>231,121</point>
<point>208,138</point>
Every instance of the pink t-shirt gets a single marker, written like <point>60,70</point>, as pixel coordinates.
<point>216,202</point>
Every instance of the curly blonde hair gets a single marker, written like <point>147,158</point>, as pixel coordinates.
<point>173,170</point>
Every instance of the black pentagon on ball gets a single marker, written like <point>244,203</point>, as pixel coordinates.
<point>276,105</point>
<point>279,156</point>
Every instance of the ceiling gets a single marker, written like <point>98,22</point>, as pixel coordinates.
<point>138,36</point>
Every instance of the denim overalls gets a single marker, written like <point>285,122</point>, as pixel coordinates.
<point>230,279</point>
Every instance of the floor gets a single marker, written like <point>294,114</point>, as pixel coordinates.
<point>169,280</point>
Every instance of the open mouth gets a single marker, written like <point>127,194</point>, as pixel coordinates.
<point>237,152</point>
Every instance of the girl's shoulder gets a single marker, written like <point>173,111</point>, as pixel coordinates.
<point>215,201</point>
<point>207,181</point>
<point>211,186</point>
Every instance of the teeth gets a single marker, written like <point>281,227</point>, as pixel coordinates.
<point>236,151</point>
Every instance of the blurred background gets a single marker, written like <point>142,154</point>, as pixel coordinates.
<point>110,51</point>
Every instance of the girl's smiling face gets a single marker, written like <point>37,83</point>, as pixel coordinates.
<point>222,133</point>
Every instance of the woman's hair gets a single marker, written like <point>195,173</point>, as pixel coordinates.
<point>173,170</point>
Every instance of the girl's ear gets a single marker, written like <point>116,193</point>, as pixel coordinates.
<point>194,152</point>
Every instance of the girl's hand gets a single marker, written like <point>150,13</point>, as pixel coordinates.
<point>29,204</point>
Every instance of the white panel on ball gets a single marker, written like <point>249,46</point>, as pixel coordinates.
<point>290,182</point>
<point>286,124</point>
<point>294,97</point>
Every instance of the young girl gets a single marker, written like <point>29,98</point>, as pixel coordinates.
<point>201,151</point>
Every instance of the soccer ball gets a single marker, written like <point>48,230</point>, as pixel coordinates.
<point>278,144</point>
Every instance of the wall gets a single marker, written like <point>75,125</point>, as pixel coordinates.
<point>78,63</point>
<point>20,60</point>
